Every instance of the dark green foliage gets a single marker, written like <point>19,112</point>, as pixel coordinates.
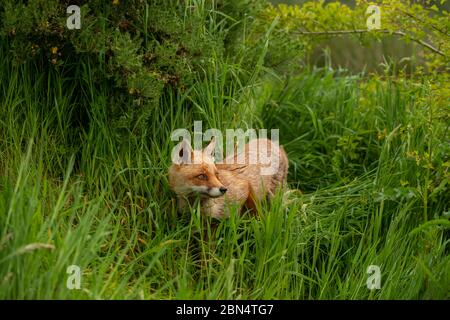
<point>137,49</point>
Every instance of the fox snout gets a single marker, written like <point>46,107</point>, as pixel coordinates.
<point>217,192</point>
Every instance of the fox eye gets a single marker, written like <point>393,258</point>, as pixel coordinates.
<point>202,177</point>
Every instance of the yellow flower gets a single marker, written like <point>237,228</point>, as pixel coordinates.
<point>115,2</point>
<point>414,154</point>
<point>382,134</point>
<point>54,50</point>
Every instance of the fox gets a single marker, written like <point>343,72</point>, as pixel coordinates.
<point>219,186</point>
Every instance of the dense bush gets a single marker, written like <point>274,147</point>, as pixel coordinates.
<point>136,49</point>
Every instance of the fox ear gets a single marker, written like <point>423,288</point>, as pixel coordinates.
<point>209,149</point>
<point>184,152</point>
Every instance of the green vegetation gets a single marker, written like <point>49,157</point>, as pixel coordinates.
<point>85,124</point>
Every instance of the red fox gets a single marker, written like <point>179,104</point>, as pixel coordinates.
<point>243,179</point>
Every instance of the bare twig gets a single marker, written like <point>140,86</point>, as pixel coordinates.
<point>360,31</point>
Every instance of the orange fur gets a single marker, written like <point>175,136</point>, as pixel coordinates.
<point>244,183</point>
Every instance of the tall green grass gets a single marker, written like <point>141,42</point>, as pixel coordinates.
<point>73,191</point>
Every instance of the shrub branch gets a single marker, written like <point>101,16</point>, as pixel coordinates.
<point>360,31</point>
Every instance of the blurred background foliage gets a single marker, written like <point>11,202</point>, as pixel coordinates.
<point>352,54</point>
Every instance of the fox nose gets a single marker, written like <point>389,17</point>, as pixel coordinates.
<point>223,189</point>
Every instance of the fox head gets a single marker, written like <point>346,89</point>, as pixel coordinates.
<point>194,172</point>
